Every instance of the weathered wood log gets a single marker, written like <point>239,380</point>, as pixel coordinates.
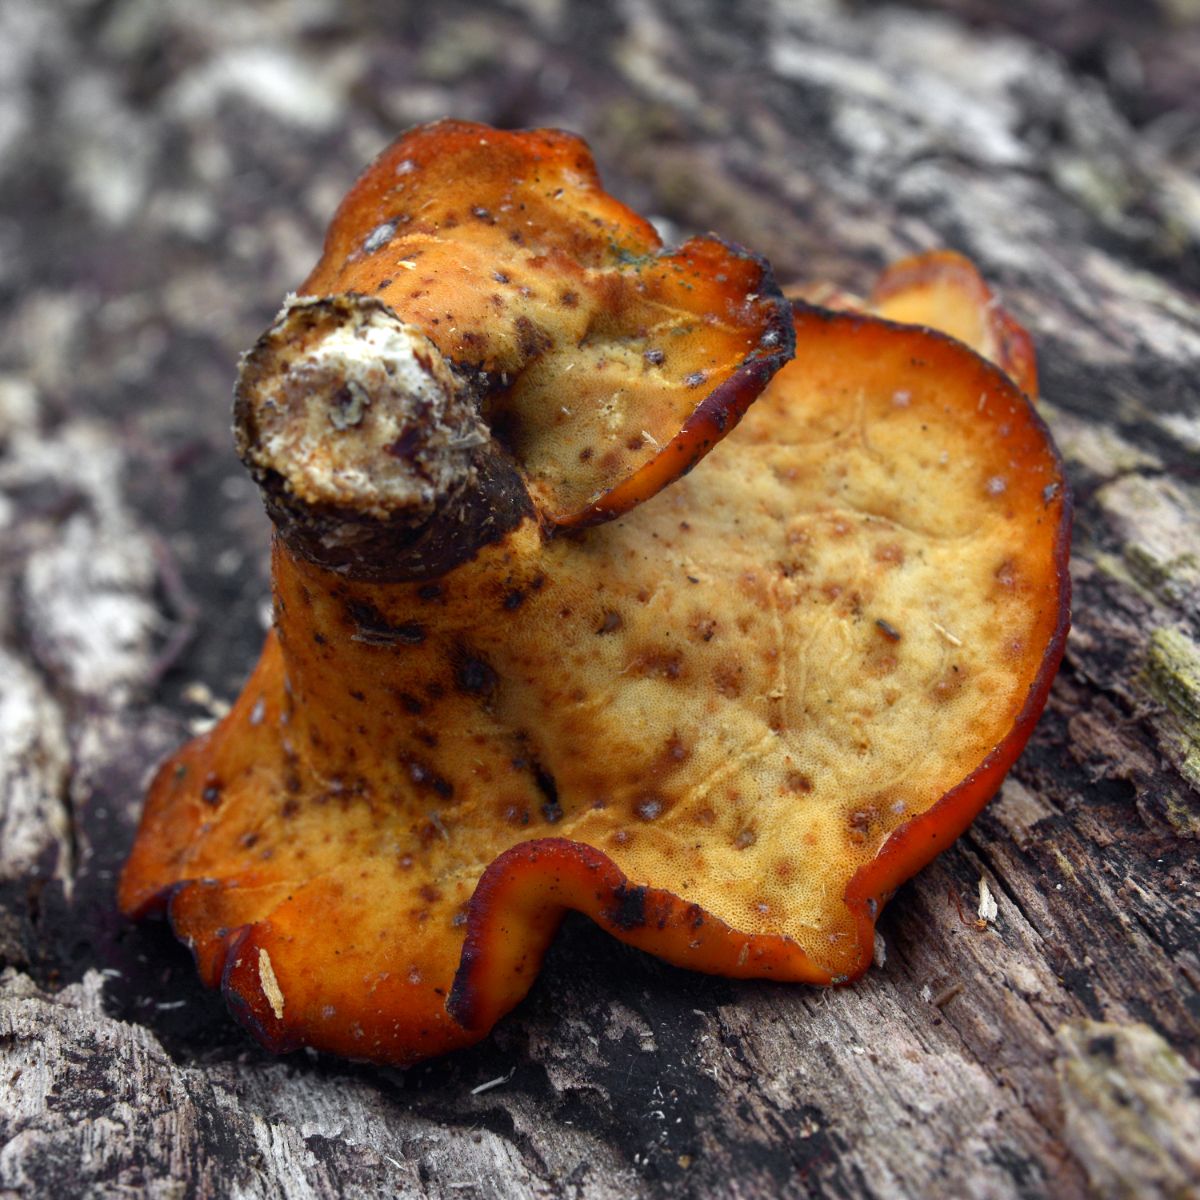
<point>1033,1025</point>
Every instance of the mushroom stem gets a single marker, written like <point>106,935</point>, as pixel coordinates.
<point>369,451</point>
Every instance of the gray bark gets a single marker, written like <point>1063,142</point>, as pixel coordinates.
<point>166,172</point>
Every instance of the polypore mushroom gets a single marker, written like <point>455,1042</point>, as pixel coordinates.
<point>725,726</point>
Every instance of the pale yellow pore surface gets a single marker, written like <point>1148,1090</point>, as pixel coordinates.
<point>737,691</point>
<point>817,635</point>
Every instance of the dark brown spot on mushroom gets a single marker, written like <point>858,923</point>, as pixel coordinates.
<point>427,779</point>
<point>531,339</point>
<point>610,623</point>
<point>659,664</point>
<point>551,809</point>
<point>859,825</point>
<point>648,807</point>
<point>628,910</point>
<point>948,685</point>
<point>372,628</point>
<point>474,676</point>
<point>675,751</point>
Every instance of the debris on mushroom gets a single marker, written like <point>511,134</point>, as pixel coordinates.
<point>726,725</point>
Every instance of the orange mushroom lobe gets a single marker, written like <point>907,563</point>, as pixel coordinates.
<point>509,678</point>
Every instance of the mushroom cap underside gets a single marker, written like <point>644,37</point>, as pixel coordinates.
<point>726,726</point>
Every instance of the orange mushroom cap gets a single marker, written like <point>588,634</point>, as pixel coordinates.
<point>942,290</point>
<point>725,726</point>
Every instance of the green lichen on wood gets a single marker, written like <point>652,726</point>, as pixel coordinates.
<point>1173,667</point>
<point>1156,520</point>
<point>1172,677</point>
<point>1131,1108</point>
<point>1169,580</point>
